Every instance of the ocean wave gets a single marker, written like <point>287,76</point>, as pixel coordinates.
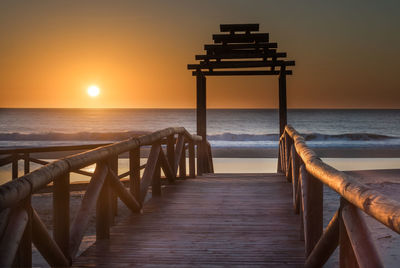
<point>116,136</point>
<point>308,137</point>
<point>79,136</point>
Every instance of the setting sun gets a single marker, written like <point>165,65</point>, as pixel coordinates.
<point>93,91</point>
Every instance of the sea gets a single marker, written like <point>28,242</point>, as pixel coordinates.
<point>226,128</point>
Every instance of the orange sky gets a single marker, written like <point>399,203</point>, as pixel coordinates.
<point>347,55</point>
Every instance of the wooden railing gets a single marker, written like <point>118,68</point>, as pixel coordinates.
<point>20,224</point>
<point>347,229</point>
<point>13,156</point>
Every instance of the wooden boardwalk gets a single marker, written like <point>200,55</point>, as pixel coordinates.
<point>214,220</point>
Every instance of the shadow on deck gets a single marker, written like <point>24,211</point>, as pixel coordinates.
<point>216,220</point>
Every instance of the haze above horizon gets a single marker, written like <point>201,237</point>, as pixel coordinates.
<point>347,54</point>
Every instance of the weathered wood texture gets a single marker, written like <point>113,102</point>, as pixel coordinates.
<point>15,191</point>
<point>379,206</point>
<point>221,220</point>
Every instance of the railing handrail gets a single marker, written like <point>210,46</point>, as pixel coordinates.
<point>372,202</point>
<point>14,191</point>
<point>48,149</point>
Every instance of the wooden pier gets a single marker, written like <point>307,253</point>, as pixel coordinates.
<point>214,220</point>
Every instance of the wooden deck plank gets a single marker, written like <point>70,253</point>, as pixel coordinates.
<point>215,220</point>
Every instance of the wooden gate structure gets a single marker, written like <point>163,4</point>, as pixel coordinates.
<point>239,51</point>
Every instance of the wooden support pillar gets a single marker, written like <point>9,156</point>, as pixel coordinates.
<point>171,150</point>
<point>26,163</point>
<point>103,212</point>
<point>312,209</point>
<point>61,213</point>
<point>201,121</point>
<point>182,164</point>
<point>103,207</point>
<point>192,171</point>
<point>282,101</point>
<point>347,258</point>
<point>23,257</point>
<point>14,167</point>
<point>113,165</point>
<point>134,176</point>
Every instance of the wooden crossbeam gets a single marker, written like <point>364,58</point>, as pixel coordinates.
<point>225,47</point>
<point>239,27</point>
<point>239,64</point>
<point>149,171</point>
<point>45,244</point>
<point>241,38</point>
<point>240,73</point>
<point>237,54</point>
<point>126,197</point>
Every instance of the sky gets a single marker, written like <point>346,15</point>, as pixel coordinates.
<point>347,53</point>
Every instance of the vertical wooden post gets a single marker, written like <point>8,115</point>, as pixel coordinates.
<point>156,182</point>
<point>26,163</point>
<point>61,213</point>
<point>347,258</point>
<point>201,120</point>
<point>171,150</point>
<point>134,176</point>
<point>103,211</point>
<point>288,144</point>
<point>23,257</point>
<point>210,159</point>
<point>113,165</point>
<point>279,167</point>
<point>182,163</point>
<point>312,192</point>
<point>192,171</point>
<point>282,101</point>
<point>14,167</point>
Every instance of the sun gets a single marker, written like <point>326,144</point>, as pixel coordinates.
<point>93,91</point>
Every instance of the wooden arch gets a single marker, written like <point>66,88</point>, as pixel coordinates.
<point>238,50</point>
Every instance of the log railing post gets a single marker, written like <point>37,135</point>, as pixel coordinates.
<point>134,177</point>
<point>358,249</point>
<point>23,257</point>
<point>171,150</point>
<point>210,159</point>
<point>287,158</point>
<point>295,176</point>
<point>10,250</point>
<point>279,167</point>
<point>192,168</point>
<point>14,167</point>
<point>26,163</point>
<point>312,208</point>
<point>283,155</point>
<point>103,211</point>
<point>113,165</point>
<point>347,259</point>
<point>182,163</point>
<point>156,183</point>
<point>61,213</point>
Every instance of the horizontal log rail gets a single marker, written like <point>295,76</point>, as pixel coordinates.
<point>20,224</point>
<point>347,229</point>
